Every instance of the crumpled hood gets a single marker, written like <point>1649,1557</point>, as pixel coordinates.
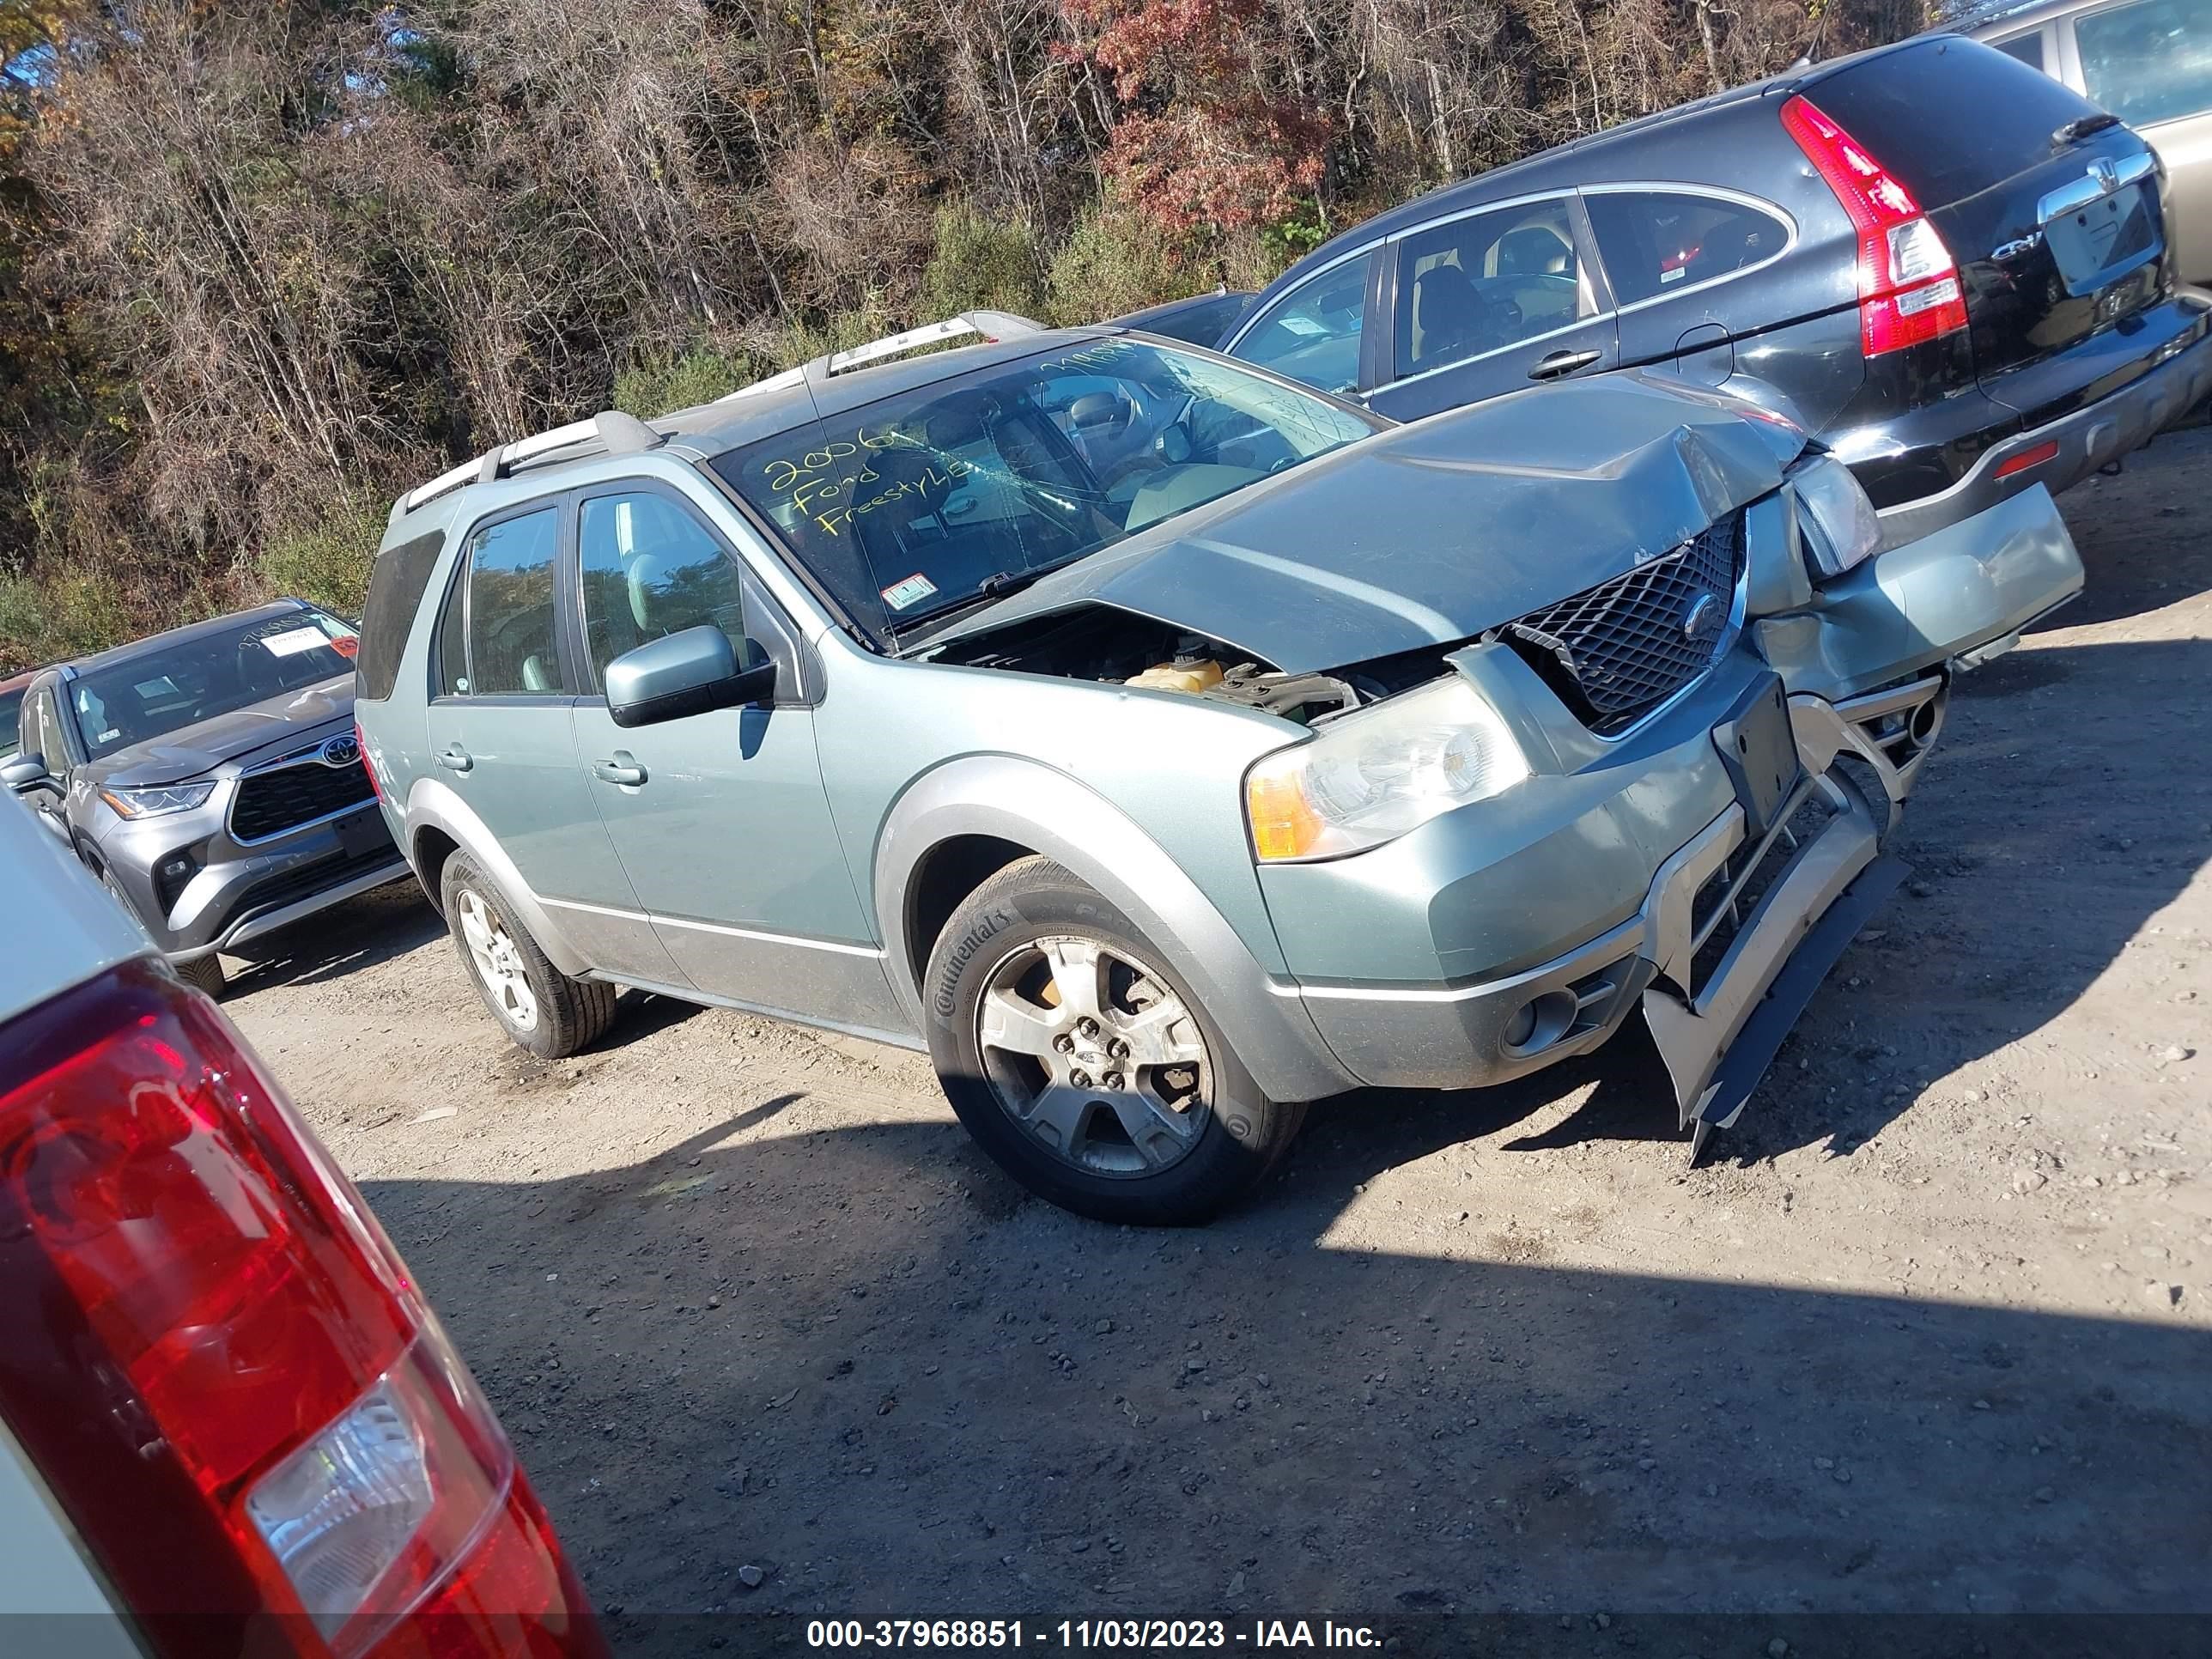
<point>276,725</point>
<point>1431,533</point>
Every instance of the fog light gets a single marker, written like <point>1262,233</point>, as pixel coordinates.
<point>171,877</point>
<point>1540,1022</point>
<point>1522,1026</point>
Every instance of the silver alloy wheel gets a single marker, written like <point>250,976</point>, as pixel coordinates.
<point>497,962</point>
<point>1095,1056</point>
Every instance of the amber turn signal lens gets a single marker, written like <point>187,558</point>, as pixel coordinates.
<point>1283,825</point>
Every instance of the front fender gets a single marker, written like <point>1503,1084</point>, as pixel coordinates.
<point>1057,815</point>
<point>432,805</point>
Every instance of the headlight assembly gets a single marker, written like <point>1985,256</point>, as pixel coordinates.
<point>1836,523</point>
<point>1369,777</point>
<point>157,801</point>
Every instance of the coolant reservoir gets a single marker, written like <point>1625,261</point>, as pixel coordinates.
<point>1179,675</point>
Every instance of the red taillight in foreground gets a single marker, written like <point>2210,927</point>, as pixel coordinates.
<point>216,1360</point>
<point>1908,283</point>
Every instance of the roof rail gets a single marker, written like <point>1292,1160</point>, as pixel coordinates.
<point>608,433</point>
<point>987,326</point>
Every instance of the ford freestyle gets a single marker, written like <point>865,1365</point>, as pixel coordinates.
<point>1164,746</point>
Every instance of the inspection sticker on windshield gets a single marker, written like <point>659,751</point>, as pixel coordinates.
<point>914,589</point>
<point>293,641</point>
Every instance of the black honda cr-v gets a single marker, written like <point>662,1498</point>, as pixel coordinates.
<point>1952,269</point>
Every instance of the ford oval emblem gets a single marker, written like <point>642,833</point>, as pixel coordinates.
<point>1701,622</point>
<point>343,750</point>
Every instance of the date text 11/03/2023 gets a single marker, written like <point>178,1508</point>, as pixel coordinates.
<point>1088,1633</point>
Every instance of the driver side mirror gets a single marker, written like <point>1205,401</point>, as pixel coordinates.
<point>23,773</point>
<point>686,672</point>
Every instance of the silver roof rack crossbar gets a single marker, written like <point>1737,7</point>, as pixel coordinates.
<point>611,433</point>
<point>987,326</point>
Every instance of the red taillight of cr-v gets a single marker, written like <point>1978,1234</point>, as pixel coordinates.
<point>219,1363</point>
<point>1908,283</point>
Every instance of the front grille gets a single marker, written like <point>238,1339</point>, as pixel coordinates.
<point>1617,651</point>
<point>269,803</point>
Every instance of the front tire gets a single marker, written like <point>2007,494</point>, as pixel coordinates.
<point>1083,1066</point>
<point>537,1006</point>
<point>202,974</point>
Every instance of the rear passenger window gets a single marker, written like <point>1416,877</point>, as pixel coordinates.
<point>396,585</point>
<point>509,618</point>
<point>651,569</point>
<point>1653,241</point>
<point>2029,48</point>
<point>1487,281</point>
<point>2150,61</point>
<point>1312,333</point>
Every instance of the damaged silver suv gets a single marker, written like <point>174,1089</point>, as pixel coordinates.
<point>1164,746</point>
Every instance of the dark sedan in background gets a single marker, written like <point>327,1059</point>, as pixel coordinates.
<point>1957,272</point>
<point>11,711</point>
<point>1202,319</point>
<point>211,777</point>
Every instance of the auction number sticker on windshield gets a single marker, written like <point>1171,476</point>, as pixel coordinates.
<point>293,641</point>
<point>912,590</point>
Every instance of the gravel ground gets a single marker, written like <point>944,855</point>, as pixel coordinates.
<point>1932,1333</point>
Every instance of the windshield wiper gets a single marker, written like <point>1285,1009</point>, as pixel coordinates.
<point>2081,127</point>
<point>995,587</point>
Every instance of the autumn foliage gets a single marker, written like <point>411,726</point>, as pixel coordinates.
<point>1206,135</point>
<point>266,262</point>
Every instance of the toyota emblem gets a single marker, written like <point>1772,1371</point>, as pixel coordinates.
<point>342,751</point>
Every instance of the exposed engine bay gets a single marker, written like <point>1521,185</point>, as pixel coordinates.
<point>1115,646</point>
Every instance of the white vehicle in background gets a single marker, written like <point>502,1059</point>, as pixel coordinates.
<point>229,1421</point>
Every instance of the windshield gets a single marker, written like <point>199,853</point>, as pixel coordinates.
<point>916,505</point>
<point>171,687</point>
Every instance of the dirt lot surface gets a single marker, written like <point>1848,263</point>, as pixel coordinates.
<point>1933,1333</point>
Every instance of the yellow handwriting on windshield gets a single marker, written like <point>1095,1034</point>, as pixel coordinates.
<point>834,484</point>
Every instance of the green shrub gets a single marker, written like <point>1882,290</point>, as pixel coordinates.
<point>327,562</point>
<point>44,621</point>
<point>982,263</point>
<point>660,385</point>
<point>1114,262</point>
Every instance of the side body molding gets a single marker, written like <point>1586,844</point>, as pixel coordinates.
<point>433,805</point>
<point>1055,814</point>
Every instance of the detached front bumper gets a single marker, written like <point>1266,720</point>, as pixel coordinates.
<point>1715,913</point>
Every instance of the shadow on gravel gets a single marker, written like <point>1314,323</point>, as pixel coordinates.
<point>844,1359</point>
<point>379,924</point>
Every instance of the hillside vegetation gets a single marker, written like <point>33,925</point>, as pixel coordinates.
<point>264,265</point>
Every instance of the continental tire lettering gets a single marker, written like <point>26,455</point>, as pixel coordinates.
<point>955,964</point>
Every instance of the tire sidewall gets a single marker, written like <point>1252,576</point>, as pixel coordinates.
<point>462,874</point>
<point>1244,1130</point>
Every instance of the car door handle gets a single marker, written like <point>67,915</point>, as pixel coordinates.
<point>621,768</point>
<point>1550,367</point>
<point>454,758</point>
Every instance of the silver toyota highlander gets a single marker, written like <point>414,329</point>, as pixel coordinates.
<point>210,777</point>
<point>1164,746</point>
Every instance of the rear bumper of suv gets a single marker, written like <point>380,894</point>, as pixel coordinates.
<point>1924,442</point>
